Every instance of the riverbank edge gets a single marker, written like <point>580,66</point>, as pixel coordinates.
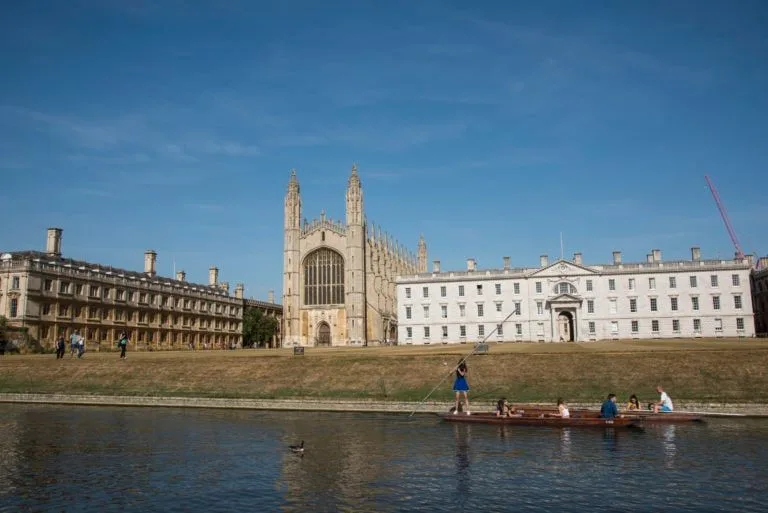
<point>337,405</point>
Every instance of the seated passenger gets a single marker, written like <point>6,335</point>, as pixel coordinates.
<point>664,404</point>
<point>562,409</point>
<point>634,403</point>
<point>502,408</point>
<point>609,410</point>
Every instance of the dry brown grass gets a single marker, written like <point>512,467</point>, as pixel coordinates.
<point>695,370</point>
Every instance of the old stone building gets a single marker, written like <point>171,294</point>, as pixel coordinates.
<point>339,276</point>
<point>51,296</point>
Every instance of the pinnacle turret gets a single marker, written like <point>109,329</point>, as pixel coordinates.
<point>293,182</point>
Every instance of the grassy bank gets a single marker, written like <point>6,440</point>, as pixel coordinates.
<point>700,370</point>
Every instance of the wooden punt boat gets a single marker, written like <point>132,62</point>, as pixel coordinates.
<point>540,420</point>
<point>640,415</point>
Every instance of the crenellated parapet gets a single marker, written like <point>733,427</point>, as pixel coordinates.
<point>335,225</point>
<point>385,248</point>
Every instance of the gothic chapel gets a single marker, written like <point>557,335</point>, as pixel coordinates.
<point>339,276</point>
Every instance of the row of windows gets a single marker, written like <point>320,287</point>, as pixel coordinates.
<point>92,312</point>
<point>612,306</point>
<point>463,310</point>
<point>567,288</point>
<point>130,296</point>
<point>102,335</point>
<point>499,331</point>
<point>444,290</point>
<point>655,325</point>
<point>614,327</point>
<point>653,304</point>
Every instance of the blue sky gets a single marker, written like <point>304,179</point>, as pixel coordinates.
<point>490,127</point>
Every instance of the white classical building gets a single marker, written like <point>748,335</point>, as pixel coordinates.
<point>570,301</point>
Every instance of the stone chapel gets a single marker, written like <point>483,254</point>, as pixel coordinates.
<point>339,276</point>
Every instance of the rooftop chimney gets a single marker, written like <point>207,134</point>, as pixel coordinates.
<point>656,255</point>
<point>695,253</point>
<point>53,245</point>
<point>213,276</point>
<point>577,258</point>
<point>150,262</point>
<point>271,296</point>
<point>506,262</point>
<point>649,258</point>
<point>436,266</point>
<point>224,285</point>
<point>543,261</point>
<point>239,291</point>
<point>181,276</point>
<point>471,264</point>
<point>616,257</point>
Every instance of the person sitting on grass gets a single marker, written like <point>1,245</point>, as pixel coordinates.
<point>609,410</point>
<point>664,404</point>
<point>634,403</point>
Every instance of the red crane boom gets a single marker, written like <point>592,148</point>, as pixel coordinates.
<point>726,219</point>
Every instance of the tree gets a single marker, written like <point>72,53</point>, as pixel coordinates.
<point>258,328</point>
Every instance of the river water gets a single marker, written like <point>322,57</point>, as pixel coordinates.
<point>57,458</point>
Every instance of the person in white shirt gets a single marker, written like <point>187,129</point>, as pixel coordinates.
<point>664,404</point>
<point>562,409</point>
<point>80,346</point>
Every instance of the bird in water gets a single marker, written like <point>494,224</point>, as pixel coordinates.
<point>298,449</point>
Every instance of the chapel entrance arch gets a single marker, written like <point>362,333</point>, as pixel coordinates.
<point>323,334</point>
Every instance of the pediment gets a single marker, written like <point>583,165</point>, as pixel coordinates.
<point>563,268</point>
<point>565,298</point>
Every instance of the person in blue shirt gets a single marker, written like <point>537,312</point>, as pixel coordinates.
<point>609,410</point>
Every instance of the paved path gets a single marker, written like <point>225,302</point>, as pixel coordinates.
<point>712,409</point>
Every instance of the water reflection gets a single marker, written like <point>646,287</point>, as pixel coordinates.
<point>611,439</point>
<point>9,453</point>
<point>462,434</point>
<point>141,460</point>
<point>670,449</point>
<point>565,442</point>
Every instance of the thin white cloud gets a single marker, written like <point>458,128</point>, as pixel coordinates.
<point>85,191</point>
<point>379,138</point>
<point>231,149</point>
<point>206,207</point>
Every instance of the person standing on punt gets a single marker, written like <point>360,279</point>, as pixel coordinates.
<point>460,385</point>
<point>664,404</point>
<point>609,410</point>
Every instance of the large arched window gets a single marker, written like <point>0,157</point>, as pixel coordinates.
<point>324,278</point>
<point>564,288</point>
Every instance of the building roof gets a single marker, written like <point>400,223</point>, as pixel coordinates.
<point>263,304</point>
<point>40,256</point>
<point>599,269</point>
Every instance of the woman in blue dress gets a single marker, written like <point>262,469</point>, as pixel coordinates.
<point>460,385</point>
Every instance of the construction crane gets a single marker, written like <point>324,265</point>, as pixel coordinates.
<point>726,219</point>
